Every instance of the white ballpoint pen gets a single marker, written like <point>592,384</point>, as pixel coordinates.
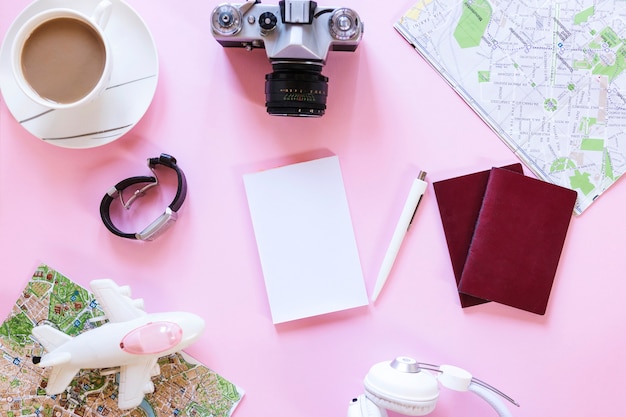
<point>404,222</point>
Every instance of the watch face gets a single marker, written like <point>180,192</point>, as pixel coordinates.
<point>159,226</point>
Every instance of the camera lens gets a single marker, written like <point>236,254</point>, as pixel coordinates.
<point>296,89</point>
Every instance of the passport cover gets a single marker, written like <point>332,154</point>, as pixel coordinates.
<point>459,200</point>
<point>518,240</point>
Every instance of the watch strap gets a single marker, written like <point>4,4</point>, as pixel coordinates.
<point>117,190</point>
<point>114,193</point>
<point>181,191</point>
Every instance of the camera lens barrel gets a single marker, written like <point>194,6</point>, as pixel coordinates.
<point>296,88</point>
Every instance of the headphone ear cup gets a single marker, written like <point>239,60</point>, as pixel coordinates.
<point>363,407</point>
<point>401,407</point>
<point>412,393</point>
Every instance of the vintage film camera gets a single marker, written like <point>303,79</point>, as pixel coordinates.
<point>297,35</point>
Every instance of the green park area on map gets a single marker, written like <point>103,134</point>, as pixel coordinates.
<point>183,388</point>
<point>548,80</point>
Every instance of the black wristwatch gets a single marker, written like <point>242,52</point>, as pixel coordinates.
<point>165,220</point>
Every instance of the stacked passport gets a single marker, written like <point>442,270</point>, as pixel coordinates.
<point>505,233</point>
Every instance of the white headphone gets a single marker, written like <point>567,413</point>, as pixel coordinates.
<point>407,387</point>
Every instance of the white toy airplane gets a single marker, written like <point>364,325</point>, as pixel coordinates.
<point>132,341</point>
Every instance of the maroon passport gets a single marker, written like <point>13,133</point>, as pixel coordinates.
<point>459,200</point>
<point>518,240</point>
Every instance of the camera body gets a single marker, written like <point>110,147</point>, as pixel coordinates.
<point>297,36</point>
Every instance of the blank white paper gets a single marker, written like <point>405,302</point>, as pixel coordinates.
<point>305,239</point>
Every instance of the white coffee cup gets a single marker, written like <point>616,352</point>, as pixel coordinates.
<point>61,58</point>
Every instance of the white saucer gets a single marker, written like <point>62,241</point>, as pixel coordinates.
<point>118,109</point>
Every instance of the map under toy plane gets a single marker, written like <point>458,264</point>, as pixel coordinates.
<point>131,342</point>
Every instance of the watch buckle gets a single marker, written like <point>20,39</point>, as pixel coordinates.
<point>138,193</point>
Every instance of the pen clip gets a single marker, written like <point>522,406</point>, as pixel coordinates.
<point>422,177</point>
<point>415,211</point>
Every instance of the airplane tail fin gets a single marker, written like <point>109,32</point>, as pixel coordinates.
<point>61,374</point>
<point>50,337</point>
<point>60,379</point>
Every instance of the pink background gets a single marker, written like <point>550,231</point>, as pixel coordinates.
<point>389,115</point>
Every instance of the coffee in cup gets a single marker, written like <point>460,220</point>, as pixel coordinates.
<point>61,57</point>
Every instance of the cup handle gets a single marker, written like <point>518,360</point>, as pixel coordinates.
<point>102,13</point>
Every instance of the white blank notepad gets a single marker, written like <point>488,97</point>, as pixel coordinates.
<point>305,239</point>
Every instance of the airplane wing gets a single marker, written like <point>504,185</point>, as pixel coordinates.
<point>115,301</point>
<point>135,382</point>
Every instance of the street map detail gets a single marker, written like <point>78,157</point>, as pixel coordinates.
<point>183,388</point>
<point>546,76</point>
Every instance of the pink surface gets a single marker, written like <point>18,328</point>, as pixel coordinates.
<point>389,115</point>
